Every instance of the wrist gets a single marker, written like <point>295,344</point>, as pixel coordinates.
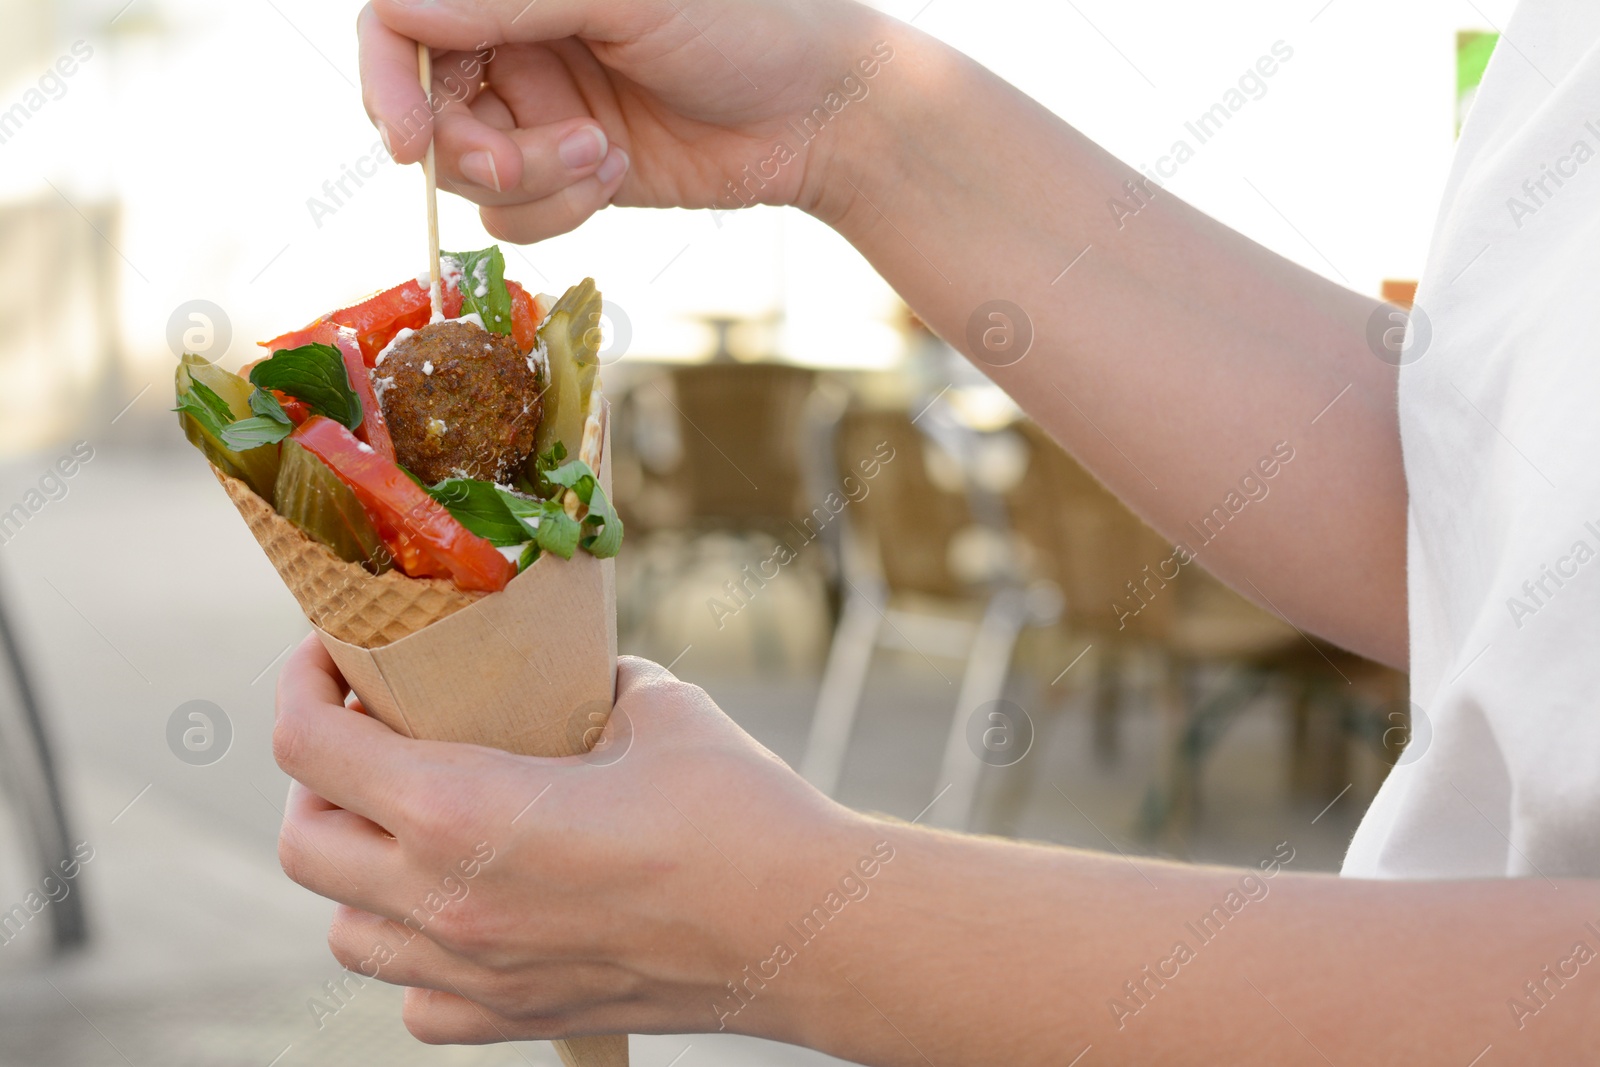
<point>842,905</point>
<point>883,63</point>
<point>817,887</point>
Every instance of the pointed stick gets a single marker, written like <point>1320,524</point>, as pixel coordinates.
<point>435,290</point>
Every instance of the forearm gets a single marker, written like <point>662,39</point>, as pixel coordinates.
<point>1170,354</point>
<point>975,951</point>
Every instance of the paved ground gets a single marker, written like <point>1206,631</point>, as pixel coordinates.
<point>141,590</point>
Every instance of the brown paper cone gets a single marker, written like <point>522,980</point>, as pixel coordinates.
<point>531,669</point>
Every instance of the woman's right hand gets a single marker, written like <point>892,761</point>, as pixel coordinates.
<point>553,109</point>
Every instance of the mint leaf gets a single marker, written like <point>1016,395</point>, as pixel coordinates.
<point>202,404</point>
<point>245,434</point>
<point>558,531</point>
<point>478,506</point>
<point>313,374</point>
<point>266,405</point>
<point>543,465</point>
<point>483,286</point>
<point>529,557</point>
<point>607,541</point>
<point>546,521</point>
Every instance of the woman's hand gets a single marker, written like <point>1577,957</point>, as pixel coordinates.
<point>551,109</point>
<point>540,898</point>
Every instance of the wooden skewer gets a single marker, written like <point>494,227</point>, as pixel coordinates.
<point>430,177</point>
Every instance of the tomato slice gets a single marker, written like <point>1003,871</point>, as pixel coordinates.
<point>377,319</point>
<point>374,428</point>
<point>426,539</point>
<point>524,318</point>
<point>293,408</point>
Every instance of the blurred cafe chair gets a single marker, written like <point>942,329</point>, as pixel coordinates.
<point>745,438</point>
<point>1077,534</point>
<point>28,775</point>
<point>1214,652</point>
<point>905,587</point>
<point>731,460</point>
<point>1226,653</point>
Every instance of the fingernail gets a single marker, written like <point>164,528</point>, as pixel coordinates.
<point>383,135</point>
<point>614,166</point>
<point>480,169</point>
<point>582,148</point>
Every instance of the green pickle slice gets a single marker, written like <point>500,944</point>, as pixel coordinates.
<point>256,467</point>
<point>571,338</point>
<point>317,501</point>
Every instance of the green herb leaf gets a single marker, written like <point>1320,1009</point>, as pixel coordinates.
<point>202,403</point>
<point>266,405</point>
<point>543,465</point>
<point>607,542</point>
<point>255,432</point>
<point>483,286</point>
<point>546,521</point>
<point>577,476</point>
<point>558,531</point>
<point>529,557</point>
<point>478,506</point>
<point>313,374</point>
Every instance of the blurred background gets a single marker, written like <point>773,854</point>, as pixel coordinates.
<point>925,607</point>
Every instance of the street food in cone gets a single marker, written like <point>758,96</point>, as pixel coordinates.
<point>436,455</point>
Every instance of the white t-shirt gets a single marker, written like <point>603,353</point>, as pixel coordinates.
<point>1500,422</point>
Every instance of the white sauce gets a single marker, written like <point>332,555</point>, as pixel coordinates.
<point>405,331</point>
<point>381,386</point>
<point>427,366</point>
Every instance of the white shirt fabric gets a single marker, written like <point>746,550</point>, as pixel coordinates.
<point>1500,423</point>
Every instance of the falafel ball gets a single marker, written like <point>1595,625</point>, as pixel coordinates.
<point>461,402</point>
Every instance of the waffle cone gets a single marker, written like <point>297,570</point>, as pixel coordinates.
<point>344,599</point>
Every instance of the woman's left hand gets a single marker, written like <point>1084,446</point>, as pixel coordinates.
<point>540,898</point>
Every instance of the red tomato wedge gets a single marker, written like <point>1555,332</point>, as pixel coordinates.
<point>374,428</point>
<point>426,539</point>
<point>377,319</point>
<point>524,318</point>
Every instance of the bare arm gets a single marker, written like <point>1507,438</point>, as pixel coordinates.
<point>1174,357</point>
<point>973,951</point>
<point>1170,353</point>
<point>698,884</point>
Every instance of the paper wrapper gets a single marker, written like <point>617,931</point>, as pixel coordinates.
<point>531,669</point>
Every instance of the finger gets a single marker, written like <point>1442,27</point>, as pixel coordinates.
<point>455,1017</point>
<point>390,90</point>
<point>445,1017</point>
<point>470,24</point>
<point>339,855</point>
<point>491,167</point>
<point>342,754</point>
<point>398,953</point>
<point>562,211</point>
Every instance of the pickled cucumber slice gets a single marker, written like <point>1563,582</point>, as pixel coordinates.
<point>256,467</point>
<point>571,337</point>
<point>317,501</point>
